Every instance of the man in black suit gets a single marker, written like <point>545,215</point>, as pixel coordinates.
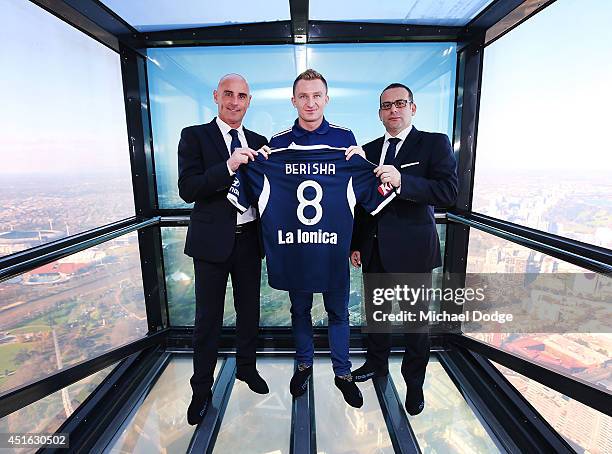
<point>402,238</point>
<point>221,241</point>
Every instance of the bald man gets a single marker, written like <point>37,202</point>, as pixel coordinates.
<point>221,241</point>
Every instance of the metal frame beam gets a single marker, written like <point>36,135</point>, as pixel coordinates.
<point>492,14</point>
<point>281,338</point>
<point>587,256</point>
<point>303,427</point>
<point>511,422</point>
<point>124,407</point>
<point>92,423</point>
<point>362,32</point>
<point>467,99</point>
<point>591,395</point>
<point>19,263</point>
<point>299,20</point>
<point>222,35</point>
<point>136,96</point>
<point>515,18</point>
<point>402,436</point>
<point>91,17</point>
<point>23,396</point>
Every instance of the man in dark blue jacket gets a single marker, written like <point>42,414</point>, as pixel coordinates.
<point>402,238</point>
<point>221,241</point>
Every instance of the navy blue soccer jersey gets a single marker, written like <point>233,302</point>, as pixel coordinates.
<point>325,134</point>
<point>306,197</point>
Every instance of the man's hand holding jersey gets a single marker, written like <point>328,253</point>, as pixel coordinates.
<point>389,174</point>
<point>243,156</point>
<point>386,173</point>
<point>353,150</point>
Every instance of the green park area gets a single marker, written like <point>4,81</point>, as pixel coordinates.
<point>8,353</point>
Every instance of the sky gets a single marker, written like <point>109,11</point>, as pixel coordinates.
<point>546,97</point>
<point>61,94</point>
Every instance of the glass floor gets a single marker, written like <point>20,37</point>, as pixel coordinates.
<point>253,423</point>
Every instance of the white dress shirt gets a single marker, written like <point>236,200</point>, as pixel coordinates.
<point>250,214</point>
<point>401,136</point>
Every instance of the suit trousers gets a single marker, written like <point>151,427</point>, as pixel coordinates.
<point>336,305</point>
<point>244,265</point>
<point>416,344</point>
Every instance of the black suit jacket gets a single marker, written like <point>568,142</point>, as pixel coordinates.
<point>407,238</point>
<point>205,179</point>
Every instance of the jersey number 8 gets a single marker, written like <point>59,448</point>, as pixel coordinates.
<point>304,202</point>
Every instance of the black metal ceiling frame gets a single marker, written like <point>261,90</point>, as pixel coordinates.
<point>97,20</point>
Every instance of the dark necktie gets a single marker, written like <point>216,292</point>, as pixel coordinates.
<point>391,150</point>
<point>235,140</point>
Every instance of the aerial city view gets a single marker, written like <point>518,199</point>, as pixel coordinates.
<point>577,209</point>
<point>74,308</point>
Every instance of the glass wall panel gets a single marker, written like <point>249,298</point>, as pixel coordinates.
<point>154,15</point>
<point>182,80</point>
<point>160,423</point>
<point>582,355</point>
<point>447,424</point>
<point>342,428</point>
<point>543,155</point>
<point>421,12</point>
<point>50,412</point>
<point>70,310</point>
<point>274,303</point>
<point>65,164</point>
<point>259,423</point>
<point>585,429</point>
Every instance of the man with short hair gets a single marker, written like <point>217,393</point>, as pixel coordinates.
<point>221,241</point>
<point>402,238</point>
<point>311,128</point>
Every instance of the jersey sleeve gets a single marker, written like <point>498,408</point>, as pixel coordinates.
<point>247,185</point>
<point>351,139</point>
<point>368,191</point>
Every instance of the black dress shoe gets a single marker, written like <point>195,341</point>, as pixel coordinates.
<point>197,408</point>
<point>415,402</point>
<point>252,378</point>
<point>349,390</point>
<point>368,371</point>
<point>299,381</point>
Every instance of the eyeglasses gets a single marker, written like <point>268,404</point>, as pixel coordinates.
<point>399,103</point>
